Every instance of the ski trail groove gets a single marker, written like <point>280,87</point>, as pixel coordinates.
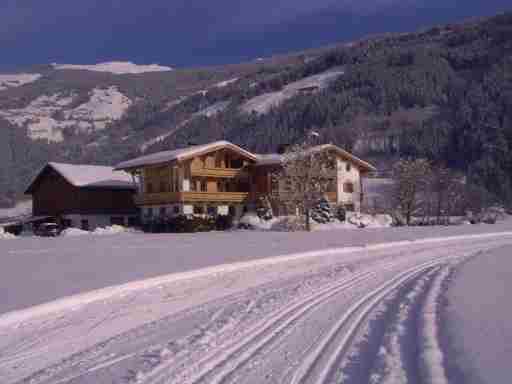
<point>357,313</point>
<point>262,333</point>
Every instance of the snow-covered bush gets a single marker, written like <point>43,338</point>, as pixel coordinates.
<point>264,208</point>
<point>362,220</point>
<point>322,212</point>
<point>6,235</point>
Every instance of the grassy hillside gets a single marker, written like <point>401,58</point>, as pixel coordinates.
<point>443,93</point>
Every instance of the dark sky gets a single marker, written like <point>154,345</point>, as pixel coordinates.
<point>202,32</point>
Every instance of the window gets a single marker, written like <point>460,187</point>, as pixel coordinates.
<point>193,185</point>
<point>211,210</point>
<point>85,225</point>
<point>204,186</point>
<point>221,186</point>
<point>176,209</point>
<point>149,188</point>
<point>348,188</point>
<point>236,163</point>
<point>198,209</point>
<point>218,161</point>
<point>348,167</point>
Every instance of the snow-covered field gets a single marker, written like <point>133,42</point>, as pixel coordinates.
<point>264,103</point>
<point>103,107</point>
<point>241,307</point>
<point>17,79</point>
<point>116,67</point>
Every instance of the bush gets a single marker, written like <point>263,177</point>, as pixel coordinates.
<point>188,224</point>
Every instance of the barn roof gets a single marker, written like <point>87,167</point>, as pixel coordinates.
<point>88,176</point>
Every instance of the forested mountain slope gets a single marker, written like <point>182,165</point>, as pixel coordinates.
<point>444,93</point>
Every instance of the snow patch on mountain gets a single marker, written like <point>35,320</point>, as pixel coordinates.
<point>264,103</point>
<point>47,117</point>
<point>17,79</point>
<point>225,83</point>
<point>116,67</point>
<point>103,107</point>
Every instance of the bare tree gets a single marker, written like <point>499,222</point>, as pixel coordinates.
<point>305,175</point>
<point>410,186</point>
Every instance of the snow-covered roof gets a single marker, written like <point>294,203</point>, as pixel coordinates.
<point>182,154</point>
<point>276,159</point>
<point>89,176</point>
<point>260,159</point>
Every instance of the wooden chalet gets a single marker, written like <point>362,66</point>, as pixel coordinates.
<point>223,178</point>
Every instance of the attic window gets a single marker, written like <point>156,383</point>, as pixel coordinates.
<point>348,167</point>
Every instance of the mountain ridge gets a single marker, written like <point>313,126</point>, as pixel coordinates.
<point>393,93</point>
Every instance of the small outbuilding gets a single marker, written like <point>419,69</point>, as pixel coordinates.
<point>84,196</point>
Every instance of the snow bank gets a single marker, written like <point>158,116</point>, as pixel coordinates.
<point>17,80</point>
<point>5,235</point>
<point>74,232</point>
<point>251,220</point>
<point>111,230</point>
<point>355,221</point>
<point>362,220</point>
<point>116,67</point>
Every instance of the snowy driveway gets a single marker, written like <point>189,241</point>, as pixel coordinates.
<point>352,315</point>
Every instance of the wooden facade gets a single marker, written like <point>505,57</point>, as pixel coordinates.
<point>56,197</point>
<point>221,176</point>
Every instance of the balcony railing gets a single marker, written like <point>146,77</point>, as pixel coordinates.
<point>220,172</point>
<point>185,197</point>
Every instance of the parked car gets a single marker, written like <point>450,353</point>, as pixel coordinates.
<point>47,230</point>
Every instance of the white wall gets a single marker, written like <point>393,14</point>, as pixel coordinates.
<point>353,176</point>
<point>95,221</point>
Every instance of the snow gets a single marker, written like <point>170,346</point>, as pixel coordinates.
<point>103,107</point>
<point>74,232</point>
<point>106,231</point>
<point>116,67</point>
<point>213,109</point>
<point>264,103</point>
<point>93,175</point>
<point>22,208</point>
<point>479,318</point>
<point>181,154</point>
<point>225,83</point>
<point>215,307</point>
<point>5,235</point>
<point>17,80</point>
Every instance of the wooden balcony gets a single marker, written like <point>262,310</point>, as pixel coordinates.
<point>228,173</point>
<point>191,197</point>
